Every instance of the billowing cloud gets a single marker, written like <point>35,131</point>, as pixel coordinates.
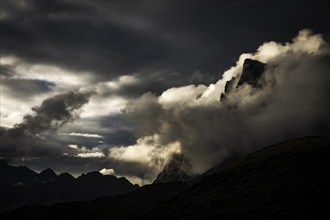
<point>148,152</point>
<point>167,56</point>
<point>26,138</point>
<point>53,113</point>
<point>292,101</point>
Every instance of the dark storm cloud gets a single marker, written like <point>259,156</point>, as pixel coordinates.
<point>53,113</point>
<point>112,38</point>
<point>25,139</point>
<point>6,71</point>
<point>113,130</point>
<point>26,88</point>
<point>76,35</point>
<point>163,44</point>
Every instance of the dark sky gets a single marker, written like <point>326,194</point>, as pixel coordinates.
<point>86,65</point>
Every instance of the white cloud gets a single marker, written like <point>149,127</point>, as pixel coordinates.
<point>148,151</point>
<point>289,105</point>
<point>85,152</point>
<point>62,77</point>
<point>106,171</point>
<point>181,95</point>
<point>83,135</point>
<point>73,146</point>
<point>91,155</point>
<point>12,110</point>
<point>8,60</point>
<point>103,106</point>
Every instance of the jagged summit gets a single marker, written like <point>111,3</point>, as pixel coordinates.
<point>21,186</point>
<point>46,175</point>
<point>65,177</point>
<point>251,73</point>
<point>252,70</point>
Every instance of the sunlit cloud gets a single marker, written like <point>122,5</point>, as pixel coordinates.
<point>106,171</point>
<point>148,150</point>
<point>210,130</point>
<point>73,146</point>
<point>83,135</point>
<point>91,155</point>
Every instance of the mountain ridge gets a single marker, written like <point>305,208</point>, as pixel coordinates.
<point>288,179</point>
<point>284,180</point>
<point>22,186</point>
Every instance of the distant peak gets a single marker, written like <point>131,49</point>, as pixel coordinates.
<point>94,173</point>
<point>252,70</point>
<point>48,171</point>
<point>66,175</point>
<point>46,175</point>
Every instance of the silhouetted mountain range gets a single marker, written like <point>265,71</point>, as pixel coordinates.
<point>21,186</point>
<point>286,180</point>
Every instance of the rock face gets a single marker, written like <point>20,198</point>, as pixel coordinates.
<point>177,169</point>
<point>252,70</point>
<point>21,186</point>
<point>251,73</point>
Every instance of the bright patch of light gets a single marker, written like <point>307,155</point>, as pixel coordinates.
<point>105,171</point>
<point>182,94</point>
<point>91,155</point>
<point>146,151</point>
<point>83,135</point>
<point>73,146</point>
<point>103,106</point>
<point>8,60</point>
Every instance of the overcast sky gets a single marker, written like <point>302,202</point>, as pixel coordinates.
<point>88,85</point>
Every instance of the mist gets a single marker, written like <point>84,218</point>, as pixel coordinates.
<point>290,101</point>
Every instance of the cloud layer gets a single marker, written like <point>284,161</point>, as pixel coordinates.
<point>25,139</point>
<point>155,67</point>
<point>292,102</point>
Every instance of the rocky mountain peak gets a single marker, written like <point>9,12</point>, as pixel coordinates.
<point>46,175</point>
<point>252,70</point>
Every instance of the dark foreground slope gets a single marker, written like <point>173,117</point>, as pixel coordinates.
<point>21,186</point>
<point>288,180</point>
<point>133,205</point>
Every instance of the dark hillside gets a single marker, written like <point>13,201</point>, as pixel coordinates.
<point>286,180</point>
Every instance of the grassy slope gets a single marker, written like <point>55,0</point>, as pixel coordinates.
<point>286,180</point>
